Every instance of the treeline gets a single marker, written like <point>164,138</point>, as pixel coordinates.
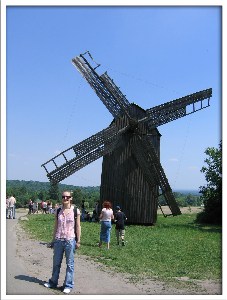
<point>35,190</point>
<point>185,199</point>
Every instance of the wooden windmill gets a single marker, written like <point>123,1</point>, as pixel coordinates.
<point>132,175</point>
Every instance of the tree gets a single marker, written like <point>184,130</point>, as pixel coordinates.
<point>78,197</point>
<point>190,199</point>
<point>212,192</point>
<point>54,191</point>
<point>41,195</point>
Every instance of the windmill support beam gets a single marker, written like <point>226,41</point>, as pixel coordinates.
<point>149,161</point>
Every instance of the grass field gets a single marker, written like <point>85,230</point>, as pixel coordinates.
<point>175,247</point>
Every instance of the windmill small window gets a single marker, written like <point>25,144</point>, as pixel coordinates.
<point>130,147</point>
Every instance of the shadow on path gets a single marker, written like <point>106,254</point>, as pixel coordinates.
<point>36,280</point>
<point>30,279</point>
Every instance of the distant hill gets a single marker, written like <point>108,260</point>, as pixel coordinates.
<point>34,186</point>
<point>25,190</point>
<point>186,192</point>
<point>45,186</point>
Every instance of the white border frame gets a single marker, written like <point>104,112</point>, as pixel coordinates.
<point>4,5</point>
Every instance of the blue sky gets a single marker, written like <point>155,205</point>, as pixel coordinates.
<point>154,54</point>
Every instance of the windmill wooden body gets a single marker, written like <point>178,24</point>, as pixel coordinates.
<point>132,175</point>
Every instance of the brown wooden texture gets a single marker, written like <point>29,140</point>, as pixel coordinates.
<point>123,182</point>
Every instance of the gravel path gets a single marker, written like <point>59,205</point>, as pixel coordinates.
<point>31,266</point>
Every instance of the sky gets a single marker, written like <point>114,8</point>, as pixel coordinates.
<point>154,54</point>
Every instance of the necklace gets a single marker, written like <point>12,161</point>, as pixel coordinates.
<point>66,210</point>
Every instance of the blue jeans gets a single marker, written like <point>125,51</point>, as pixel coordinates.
<point>61,246</point>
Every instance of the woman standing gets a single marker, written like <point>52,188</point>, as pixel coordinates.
<point>30,206</point>
<point>66,228</point>
<point>105,218</point>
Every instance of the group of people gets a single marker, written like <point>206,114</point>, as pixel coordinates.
<point>67,233</point>
<point>87,216</point>
<point>10,207</point>
<point>106,218</point>
<point>45,207</point>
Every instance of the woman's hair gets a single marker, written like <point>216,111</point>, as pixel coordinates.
<point>67,191</point>
<point>107,204</point>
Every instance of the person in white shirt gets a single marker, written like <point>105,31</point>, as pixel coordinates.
<point>44,207</point>
<point>7,207</point>
<point>35,207</point>
<point>106,217</point>
<point>12,202</point>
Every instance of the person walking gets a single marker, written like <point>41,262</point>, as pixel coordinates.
<point>35,208</point>
<point>12,205</point>
<point>49,207</point>
<point>120,219</point>
<point>44,207</point>
<point>30,206</point>
<point>66,239</point>
<point>7,207</point>
<point>106,217</point>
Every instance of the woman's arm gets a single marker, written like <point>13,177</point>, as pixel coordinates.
<point>78,231</point>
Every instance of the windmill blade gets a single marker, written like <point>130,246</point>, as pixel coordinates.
<point>80,155</point>
<point>120,99</point>
<point>178,108</point>
<point>104,87</point>
<point>147,158</point>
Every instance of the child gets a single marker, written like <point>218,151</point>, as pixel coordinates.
<point>120,219</point>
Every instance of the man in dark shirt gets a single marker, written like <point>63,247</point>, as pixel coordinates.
<point>120,219</point>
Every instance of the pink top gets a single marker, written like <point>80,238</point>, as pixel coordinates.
<point>65,229</point>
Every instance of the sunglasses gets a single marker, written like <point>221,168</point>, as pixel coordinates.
<point>66,197</point>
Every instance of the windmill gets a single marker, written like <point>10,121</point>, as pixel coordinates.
<point>132,174</point>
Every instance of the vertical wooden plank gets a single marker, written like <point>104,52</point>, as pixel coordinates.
<point>123,183</point>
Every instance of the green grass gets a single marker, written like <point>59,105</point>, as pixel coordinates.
<point>174,247</point>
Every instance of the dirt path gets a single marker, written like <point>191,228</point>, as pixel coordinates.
<point>33,261</point>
